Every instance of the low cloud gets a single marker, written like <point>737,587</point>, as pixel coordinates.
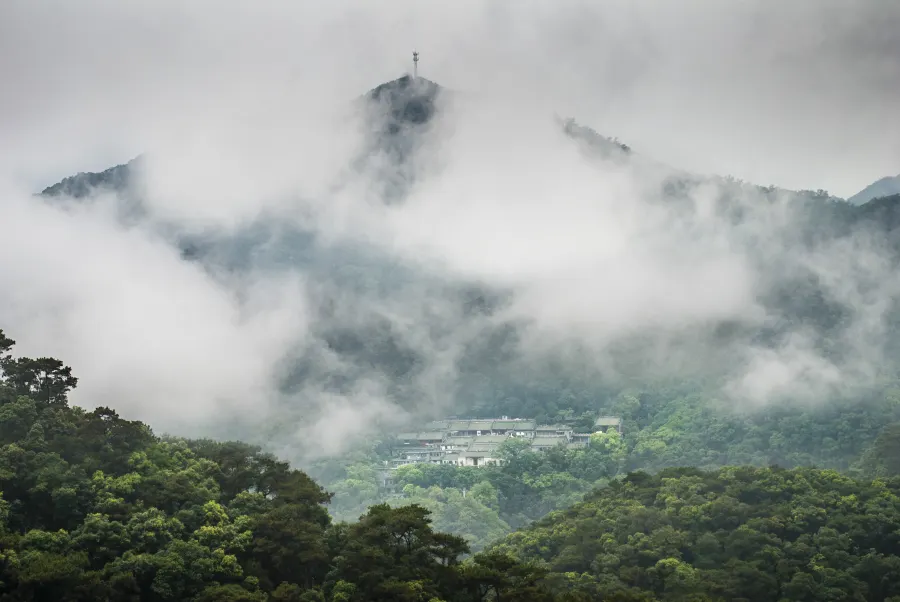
<point>151,335</point>
<point>252,137</point>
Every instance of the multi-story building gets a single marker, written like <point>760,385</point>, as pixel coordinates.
<point>474,442</point>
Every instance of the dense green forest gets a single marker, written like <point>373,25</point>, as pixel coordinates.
<point>734,534</point>
<point>97,507</point>
<point>662,428</point>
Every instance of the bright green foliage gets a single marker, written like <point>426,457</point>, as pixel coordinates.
<point>675,428</point>
<point>662,428</point>
<point>882,458</point>
<point>94,507</point>
<point>463,514</point>
<point>738,533</point>
<point>97,508</point>
<point>526,487</point>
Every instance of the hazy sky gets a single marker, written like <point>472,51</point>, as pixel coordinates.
<point>801,94</point>
<point>246,109</point>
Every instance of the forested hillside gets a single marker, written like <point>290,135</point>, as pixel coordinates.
<point>376,317</point>
<point>805,379</point>
<point>450,302</point>
<point>96,507</point>
<point>755,534</point>
<point>819,266</point>
<point>661,429</point>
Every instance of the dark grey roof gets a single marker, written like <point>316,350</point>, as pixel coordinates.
<point>422,436</point>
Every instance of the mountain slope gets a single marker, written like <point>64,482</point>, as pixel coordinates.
<point>115,179</point>
<point>761,534</point>
<point>407,101</point>
<point>884,187</point>
<point>97,507</point>
<point>380,318</point>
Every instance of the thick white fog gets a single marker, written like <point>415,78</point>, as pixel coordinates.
<point>248,111</point>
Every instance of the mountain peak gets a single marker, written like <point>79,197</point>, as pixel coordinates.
<point>405,83</point>
<point>407,99</point>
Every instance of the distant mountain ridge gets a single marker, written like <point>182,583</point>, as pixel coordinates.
<point>84,184</point>
<point>884,187</point>
<point>399,110</point>
<point>361,288</point>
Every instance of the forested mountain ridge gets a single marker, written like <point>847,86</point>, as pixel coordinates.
<point>361,290</point>
<point>115,179</point>
<point>97,507</point>
<point>761,534</point>
<point>662,429</point>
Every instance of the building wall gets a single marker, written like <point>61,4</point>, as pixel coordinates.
<point>479,461</point>
<point>473,442</point>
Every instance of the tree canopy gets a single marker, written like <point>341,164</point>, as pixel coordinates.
<point>738,533</point>
<point>97,507</point>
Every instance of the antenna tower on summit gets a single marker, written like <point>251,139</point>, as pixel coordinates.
<point>415,64</point>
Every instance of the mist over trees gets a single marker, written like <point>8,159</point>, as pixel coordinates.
<point>812,318</point>
<point>97,507</point>
<point>291,274</point>
<point>731,534</point>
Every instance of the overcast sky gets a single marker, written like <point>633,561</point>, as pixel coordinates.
<point>802,94</point>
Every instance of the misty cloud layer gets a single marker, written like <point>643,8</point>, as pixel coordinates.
<point>507,225</point>
<point>801,95</point>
